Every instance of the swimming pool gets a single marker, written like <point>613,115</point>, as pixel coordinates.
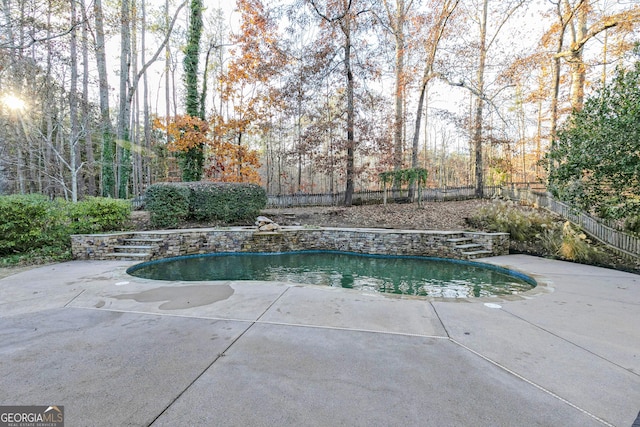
<point>406,275</point>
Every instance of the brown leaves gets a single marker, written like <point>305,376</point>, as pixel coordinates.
<point>185,132</point>
<point>228,162</point>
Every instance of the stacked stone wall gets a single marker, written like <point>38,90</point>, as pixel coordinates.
<point>244,239</point>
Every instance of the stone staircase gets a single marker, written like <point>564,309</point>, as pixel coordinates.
<point>135,249</point>
<point>468,248</point>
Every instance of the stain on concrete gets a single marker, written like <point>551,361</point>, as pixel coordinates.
<point>180,297</point>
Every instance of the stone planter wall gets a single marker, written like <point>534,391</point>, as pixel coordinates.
<point>173,243</point>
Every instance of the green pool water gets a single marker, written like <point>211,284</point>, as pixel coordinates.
<point>421,276</point>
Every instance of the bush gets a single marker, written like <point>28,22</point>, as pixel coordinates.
<point>535,232</point>
<point>98,214</point>
<point>28,221</point>
<point>168,204</point>
<point>522,224</point>
<point>34,228</point>
<point>228,202</point>
<point>596,155</point>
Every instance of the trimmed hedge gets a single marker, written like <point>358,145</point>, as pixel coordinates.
<point>226,201</point>
<point>98,214</point>
<point>168,204</point>
<point>32,222</point>
<point>204,201</point>
<point>27,222</point>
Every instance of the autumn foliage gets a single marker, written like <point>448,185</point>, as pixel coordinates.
<point>226,161</point>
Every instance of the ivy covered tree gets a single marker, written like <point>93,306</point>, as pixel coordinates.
<point>411,177</point>
<point>597,154</point>
<point>192,160</point>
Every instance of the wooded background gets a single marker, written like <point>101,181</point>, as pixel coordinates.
<point>298,95</point>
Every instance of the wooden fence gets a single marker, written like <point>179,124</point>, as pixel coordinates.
<point>617,239</point>
<point>524,193</point>
<point>376,197</point>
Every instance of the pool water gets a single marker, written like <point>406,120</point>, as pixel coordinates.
<point>433,277</point>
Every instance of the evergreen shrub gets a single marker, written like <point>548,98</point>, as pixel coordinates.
<point>98,214</point>
<point>32,226</point>
<point>168,204</point>
<point>28,222</point>
<point>226,201</point>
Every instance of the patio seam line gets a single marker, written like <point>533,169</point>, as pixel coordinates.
<point>286,289</point>
<point>73,299</point>
<point>218,356</point>
<point>532,383</point>
<point>627,370</point>
<point>446,331</point>
<point>266,322</point>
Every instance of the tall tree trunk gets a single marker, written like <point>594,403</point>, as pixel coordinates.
<point>46,152</point>
<point>555,85</point>
<point>398,33</point>
<point>351,143</point>
<point>193,159</point>
<point>134,120</point>
<point>73,106</point>
<point>577,65</point>
<point>479,104</point>
<point>107,181</point>
<point>124,107</point>
<point>167,73</point>
<point>146,152</point>
<point>8,32</point>
<point>86,119</point>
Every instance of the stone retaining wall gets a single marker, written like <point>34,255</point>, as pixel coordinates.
<point>247,239</point>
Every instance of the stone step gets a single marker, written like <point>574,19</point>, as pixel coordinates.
<point>124,256</point>
<point>477,254</point>
<point>132,249</point>
<point>460,239</point>
<point>469,246</point>
<point>142,239</point>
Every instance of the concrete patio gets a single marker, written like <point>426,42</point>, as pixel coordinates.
<point>117,350</point>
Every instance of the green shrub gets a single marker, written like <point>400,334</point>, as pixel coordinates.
<point>168,204</point>
<point>98,214</point>
<point>32,227</point>
<point>227,202</point>
<point>27,222</point>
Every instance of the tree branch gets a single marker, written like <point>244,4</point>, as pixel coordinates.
<point>43,39</point>
<point>631,16</point>
<point>160,48</point>
<point>325,17</point>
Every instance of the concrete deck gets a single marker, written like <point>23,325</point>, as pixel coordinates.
<point>117,350</point>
